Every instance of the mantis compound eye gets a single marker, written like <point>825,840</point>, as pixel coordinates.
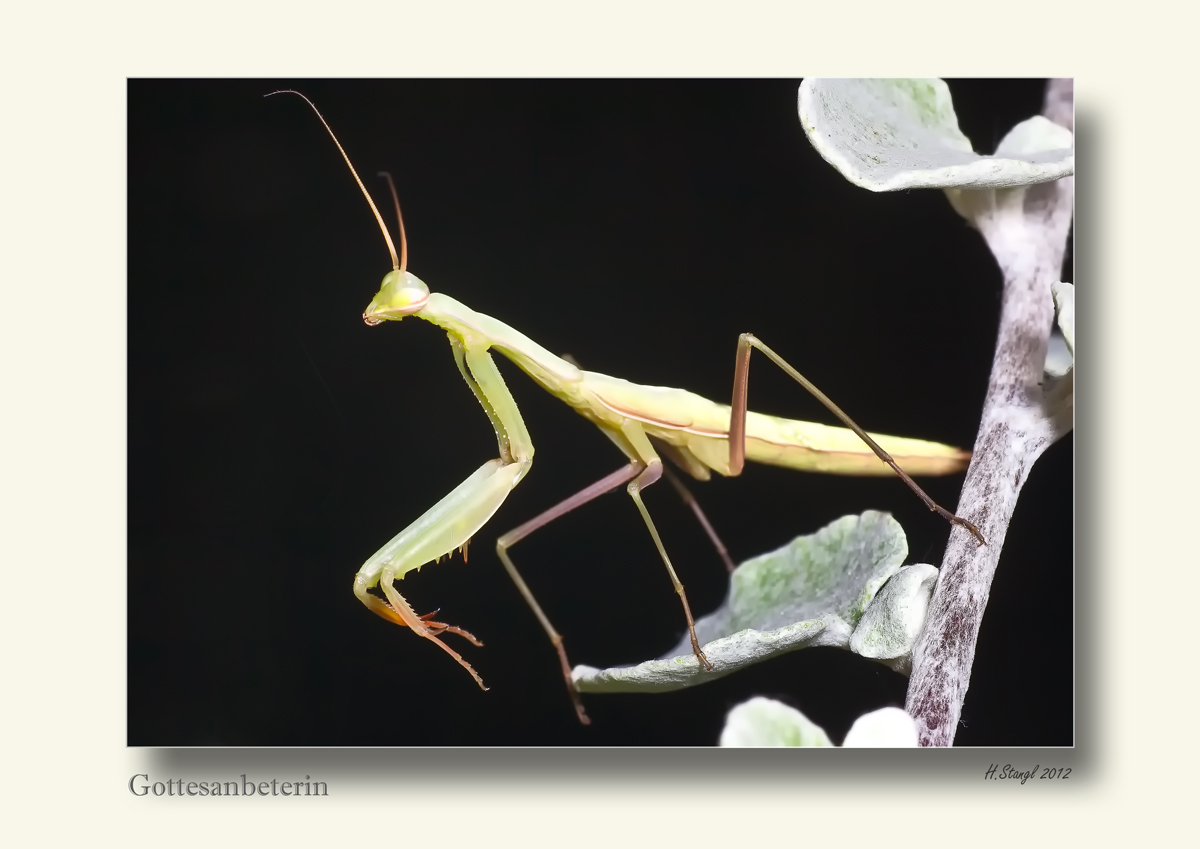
<point>401,294</point>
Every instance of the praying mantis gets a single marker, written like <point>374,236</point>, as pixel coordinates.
<point>644,422</point>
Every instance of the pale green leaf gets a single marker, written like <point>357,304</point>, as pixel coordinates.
<point>1064,306</point>
<point>892,134</point>
<point>1035,138</point>
<point>761,723</point>
<point>886,728</point>
<point>1058,356</point>
<point>889,628</point>
<point>1060,348</point>
<point>811,592</point>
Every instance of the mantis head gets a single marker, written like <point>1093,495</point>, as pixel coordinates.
<point>401,294</point>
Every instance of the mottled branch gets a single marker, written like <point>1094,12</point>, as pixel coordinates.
<point>1026,229</point>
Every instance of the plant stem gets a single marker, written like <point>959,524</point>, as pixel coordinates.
<point>1026,229</point>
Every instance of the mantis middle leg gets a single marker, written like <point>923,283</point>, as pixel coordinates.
<point>605,484</point>
<point>644,469</point>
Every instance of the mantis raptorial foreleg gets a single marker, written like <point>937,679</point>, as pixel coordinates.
<point>451,523</point>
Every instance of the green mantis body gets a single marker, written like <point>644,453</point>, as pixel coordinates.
<point>699,435</point>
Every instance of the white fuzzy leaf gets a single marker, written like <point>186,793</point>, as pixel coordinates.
<point>891,134</point>
<point>811,592</point>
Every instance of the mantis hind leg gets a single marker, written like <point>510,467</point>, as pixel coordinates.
<point>737,424</point>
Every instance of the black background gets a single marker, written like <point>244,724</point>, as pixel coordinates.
<point>275,441</point>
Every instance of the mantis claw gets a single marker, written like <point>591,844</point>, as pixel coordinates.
<point>970,528</point>
<point>397,610</point>
<point>442,627</point>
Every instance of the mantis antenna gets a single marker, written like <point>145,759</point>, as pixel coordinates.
<point>402,264</point>
<point>399,218</point>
